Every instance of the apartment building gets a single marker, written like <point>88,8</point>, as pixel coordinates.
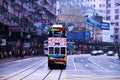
<point>94,7</point>
<point>113,15</point>
<point>17,18</point>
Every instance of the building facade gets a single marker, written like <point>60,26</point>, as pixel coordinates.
<point>113,15</point>
<point>74,14</point>
<point>17,18</point>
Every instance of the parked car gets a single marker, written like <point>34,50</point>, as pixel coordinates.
<point>97,52</point>
<point>110,53</point>
<point>94,52</point>
<point>100,52</point>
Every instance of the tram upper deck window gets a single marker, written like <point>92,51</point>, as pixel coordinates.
<point>57,50</point>
<point>57,33</point>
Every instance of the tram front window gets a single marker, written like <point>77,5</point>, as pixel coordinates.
<point>63,50</point>
<point>51,49</point>
<point>57,51</point>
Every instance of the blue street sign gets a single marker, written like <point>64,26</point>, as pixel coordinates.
<point>105,26</point>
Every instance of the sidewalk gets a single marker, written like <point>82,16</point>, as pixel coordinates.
<point>5,60</point>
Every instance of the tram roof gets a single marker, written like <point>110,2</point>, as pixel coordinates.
<point>54,26</point>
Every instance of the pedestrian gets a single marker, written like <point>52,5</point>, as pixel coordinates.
<point>33,52</point>
<point>16,53</point>
<point>24,52</point>
<point>13,52</point>
<point>10,54</point>
<point>118,50</point>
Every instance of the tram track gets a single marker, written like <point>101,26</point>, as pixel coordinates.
<point>56,73</point>
<point>22,74</point>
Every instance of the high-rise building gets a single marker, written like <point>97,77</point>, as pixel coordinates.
<point>113,15</point>
<point>108,9</point>
<point>88,7</point>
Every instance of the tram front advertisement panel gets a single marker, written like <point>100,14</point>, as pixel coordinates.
<point>57,47</point>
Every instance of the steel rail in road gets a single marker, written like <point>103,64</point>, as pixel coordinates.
<point>11,77</point>
<point>50,75</point>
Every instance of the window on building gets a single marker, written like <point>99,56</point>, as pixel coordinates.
<point>116,17</point>
<point>117,24</point>
<point>108,11</point>
<point>5,4</point>
<point>108,17</point>
<point>116,10</point>
<point>101,11</point>
<point>116,37</point>
<point>94,6</point>
<point>116,30</point>
<point>108,0</point>
<point>102,5</point>
<point>108,5</point>
<point>116,4</point>
<point>16,12</point>
<point>103,18</point>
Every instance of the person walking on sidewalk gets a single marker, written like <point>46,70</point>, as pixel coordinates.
<point>118,50</point>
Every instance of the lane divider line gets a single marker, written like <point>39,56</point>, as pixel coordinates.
<point>98,65</point>
<point>74,64</point>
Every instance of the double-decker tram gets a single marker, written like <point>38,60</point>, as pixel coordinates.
<point>57,46</point>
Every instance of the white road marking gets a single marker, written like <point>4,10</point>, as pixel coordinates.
<point>23,60</point>
<point>45,67</point>
<point>86,65</point>
<point>90,70</point>
<point>98,65</point>
<point>111,66</point>
<point>81,60</point>
<point>18,61</point>
<point>74,64</point>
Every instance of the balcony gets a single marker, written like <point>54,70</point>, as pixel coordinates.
<point>3,11</point>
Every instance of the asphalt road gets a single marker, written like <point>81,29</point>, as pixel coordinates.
<point>79,67</point>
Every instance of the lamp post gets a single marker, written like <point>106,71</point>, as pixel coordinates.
<point>20,41</point>
<point>117,46</point>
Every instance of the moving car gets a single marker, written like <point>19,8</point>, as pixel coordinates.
<point>100,52</point>
<point>97,52</point>
<point>110,53</point>
<point>94,52</point>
